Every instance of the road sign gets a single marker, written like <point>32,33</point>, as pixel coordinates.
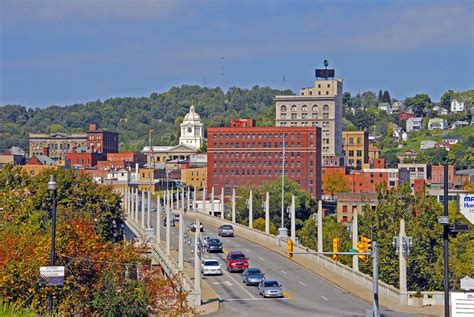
<point>466,206</point>
<point>462,303</point>
<point>52,275</point>
<point>467,283</point>
<point>443,220</point>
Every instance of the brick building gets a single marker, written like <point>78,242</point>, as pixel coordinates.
<point>128,158</point>
<point>355,148</point>
<point>251,155</point>
<point>101,141</point>
<point>58,144</point>
<point>83,159</point>
<point>437,175</point>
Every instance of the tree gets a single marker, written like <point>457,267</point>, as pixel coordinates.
<point>335,183</point>
<point>419,104</point>
<point>386,97</point>
<point>446,99</point>
<point>259,224</point>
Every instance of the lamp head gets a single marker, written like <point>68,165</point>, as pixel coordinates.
<point>52,183</point>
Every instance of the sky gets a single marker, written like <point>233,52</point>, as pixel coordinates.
<point>69,51</point>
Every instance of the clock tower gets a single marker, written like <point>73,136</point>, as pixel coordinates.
<point>192,133</point>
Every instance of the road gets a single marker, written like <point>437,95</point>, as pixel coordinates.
<point>305,293</point>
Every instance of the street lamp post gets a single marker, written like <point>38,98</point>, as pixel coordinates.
<point>52,186</point>
<point>282,231</point>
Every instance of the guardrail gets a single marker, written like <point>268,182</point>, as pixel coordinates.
<point>168,264</point>
<point>391,292</point>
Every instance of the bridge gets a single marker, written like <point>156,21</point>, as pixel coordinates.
<point>313,284</point>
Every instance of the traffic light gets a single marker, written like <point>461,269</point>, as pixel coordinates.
<point>290,248</point>
<point>362,248</point>
<point>335,248</point>
<point>367,243</point>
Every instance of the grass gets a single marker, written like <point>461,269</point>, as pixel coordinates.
<point>14,310</point>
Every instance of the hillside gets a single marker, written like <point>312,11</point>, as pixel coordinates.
<point>133,117</point>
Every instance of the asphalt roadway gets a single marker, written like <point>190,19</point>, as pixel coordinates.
<point>305,294</point>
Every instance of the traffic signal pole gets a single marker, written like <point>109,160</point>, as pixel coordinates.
<point>375,269</point>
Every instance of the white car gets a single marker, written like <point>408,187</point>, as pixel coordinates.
<point>211,267</point>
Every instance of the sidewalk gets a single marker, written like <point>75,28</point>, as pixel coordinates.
<point>341,281</point>
<point>210,301</point>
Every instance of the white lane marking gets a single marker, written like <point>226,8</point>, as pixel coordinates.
<point>223,283</point>
<point>251,299</point>
<point>240,284</point>
<point>284,272</point>
<point>247,251</point>
<point>262,259</point>
<point>325,298</point>
<point>302,283</point>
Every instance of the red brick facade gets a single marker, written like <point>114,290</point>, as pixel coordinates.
<point>83,160</point>
<point>100,141</point>
<point>437,175</point>
<point>129,158</point>
<point>253,155</point>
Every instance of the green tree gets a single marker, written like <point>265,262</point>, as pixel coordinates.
<point>259,224</point>
<point>419,103</point>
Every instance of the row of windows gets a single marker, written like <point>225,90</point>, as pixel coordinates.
<point>268,173</point>
<point>351,141</point>
<point>294,108</point>
<point>258,164</point>
<point>351,153</point>
<point>249,136</point>
<point>258,154</point>
<point>56,146</point>
<point>305,116</point>
<point>258,144</point>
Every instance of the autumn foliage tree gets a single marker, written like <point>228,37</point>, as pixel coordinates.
<point>104,275</point>
<point>335,183</point>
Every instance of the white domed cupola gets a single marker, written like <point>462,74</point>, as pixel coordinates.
<point>192,133</point>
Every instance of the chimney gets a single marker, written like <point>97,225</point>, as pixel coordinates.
<point>92,127</point>
<point>46,151</point>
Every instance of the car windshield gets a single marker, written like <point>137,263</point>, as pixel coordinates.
<point>211,263</point>
<point>270,284</point>
<point>217,241</point>
<point>226,227</point>
<point>254,271</point>
<point>237,257</point>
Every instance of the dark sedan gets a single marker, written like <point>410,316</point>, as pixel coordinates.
<point>214,245</point>
<point>252,276</point>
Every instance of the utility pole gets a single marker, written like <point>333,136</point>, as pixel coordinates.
<point>233,205</point>
<point>222,203</point>
<point>375,277</point>
<point>197,267</point>
<point>158,218</point>
<point>355,238</point>
<point>53,187</point>
<point>267,213</point>
<point>181,241</point>
<point>212,201</point>
<point>445,242</point>
<point>137,206</point>
<point>293,219</point>
<point>250,210</point>
<point>143,210</point>
<point>168,224</point>
<point>282,231</point>
<point>320,226</point>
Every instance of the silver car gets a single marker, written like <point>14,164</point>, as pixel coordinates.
<point>268,288</point>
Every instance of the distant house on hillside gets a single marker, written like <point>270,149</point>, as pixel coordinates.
<point>458,106</point>
<point>404,115</point>
<point>427,144</point>
<point>443,145</point>
<point>459,124</point>
<point>398,106</point>
<point>452,140</point>
<point>385,106</point>
<point>437,124</point>
<point>414,124</point>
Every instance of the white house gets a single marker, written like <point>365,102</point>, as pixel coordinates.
<point>451,140</point>
<point>437,124</point>
<point>458,106</point>
<point>385,106</point>
<point>459,124</point>
<point>122,175</point>
<point>414,124</point>
<point>398,106</point>
<point>427,144</point>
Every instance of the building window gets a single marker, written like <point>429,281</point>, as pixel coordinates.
<point>304,108</point>
<point>359,153</point>
<point>294,108</point>
<point>283,108</point>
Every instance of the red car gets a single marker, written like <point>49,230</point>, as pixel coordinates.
<point>236,261</point>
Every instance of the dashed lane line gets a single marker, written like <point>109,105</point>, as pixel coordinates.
<point>325,298</point>
<point>240,285</point>
<point>302,283</point>
<point>284,272</point>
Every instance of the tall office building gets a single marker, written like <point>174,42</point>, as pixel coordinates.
<point>318,106</point>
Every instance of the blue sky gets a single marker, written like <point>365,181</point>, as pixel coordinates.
<point>62,52</point>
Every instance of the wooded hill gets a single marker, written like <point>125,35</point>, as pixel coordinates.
<point>132,117</point>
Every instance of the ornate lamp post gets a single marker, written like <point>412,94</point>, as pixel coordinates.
<point>52,186</point>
